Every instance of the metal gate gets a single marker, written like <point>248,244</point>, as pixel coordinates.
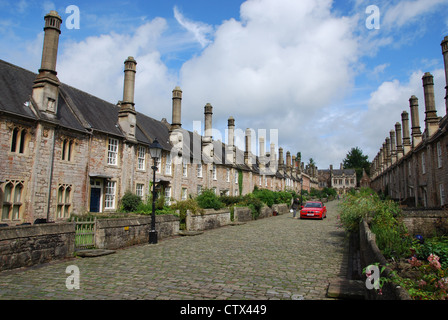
<point>85,233</point>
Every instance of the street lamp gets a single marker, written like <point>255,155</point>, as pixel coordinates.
<point>155,149</point>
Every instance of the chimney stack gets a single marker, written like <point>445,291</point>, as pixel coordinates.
<point>416,133</point>
<point>399,141</point>
<point>207,138</point>
<point>431,119</point>
<point>444,45</point>
<point>45,88</point>
<point>406,137</point>
<point>230,148</point>
<point>248,152</point>
<point>177,107</point>
<point>281,164</point>
<point>388,154</point>
<point>393,150</point>
<point>288,161</point>
<point>127,115</point>
<point>272,160</point>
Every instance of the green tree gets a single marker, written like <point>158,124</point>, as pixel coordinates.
<point>355,159</point>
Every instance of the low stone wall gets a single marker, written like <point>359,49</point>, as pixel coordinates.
<point>242,214</point>
<point>425,222</point>
<point>125,232</point>
<point>280,208</point>
<point>370,254</point>
<point>211,219</point>
<point>25,246</point>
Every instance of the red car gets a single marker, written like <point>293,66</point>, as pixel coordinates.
<point>313,209</point>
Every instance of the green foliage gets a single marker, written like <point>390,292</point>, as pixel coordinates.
<point>130,202</point>
<point>240,181</point>
<point>209,200</point>
<point>435,245</point>
<point>355,159</point>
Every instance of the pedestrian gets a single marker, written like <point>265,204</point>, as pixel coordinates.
<point>295,206</point>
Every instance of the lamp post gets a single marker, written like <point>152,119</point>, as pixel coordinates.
<point>155,149</point>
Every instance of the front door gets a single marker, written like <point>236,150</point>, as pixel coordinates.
<point>95,199</point>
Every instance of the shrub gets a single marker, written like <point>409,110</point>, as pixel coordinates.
<point>130,202</point>
<point>209,200</point>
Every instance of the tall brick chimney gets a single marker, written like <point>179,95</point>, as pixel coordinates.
<point>248,152</point>
<point>230,148</point>
<point>45,88</point>
<point>207,142</point>
<point>444,45</point>
<point>406,137</point>
<point>393,150</point>
<point>399,140</point>
<point>416,133</point>
<point>177,107</point>
<point>127,115</point>
<point>431,119</point>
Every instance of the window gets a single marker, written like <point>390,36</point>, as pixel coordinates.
<point>141,155</point>
<point>199,169</point>
<point>12,200</point>
<point>439,155</point>
<point>159,165</point>
<point>168,196</point>
<point>442,194</point>
<point>185,170</point>
<point>168,164</point>
<point>110,195</point>
<point>235,172</point>
<point>67,149</point>
<point>64,201</point>
<point>112,153</point>
<point>214,173</point>
<point>199,190</point>
<point>228,174</point>
<point>139,190</point>
<point>18,140</point>
<point>215,190</point>
<point>423,163</point>
<point>184,194</point>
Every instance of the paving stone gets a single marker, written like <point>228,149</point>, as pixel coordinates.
<point>271,258</point>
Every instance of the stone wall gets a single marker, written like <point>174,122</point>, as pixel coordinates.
<point>425,222</point>
<point>125,232</point>
<point>370,254</point>
<point>24,246</point>
<point>242,214</point>
<point>211,219</point>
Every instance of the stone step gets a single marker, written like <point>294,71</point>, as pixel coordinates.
<point>346,289</point>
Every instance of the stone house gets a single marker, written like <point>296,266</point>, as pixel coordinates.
<point>412,166</point>
<point>64,151</point>
<point>340,179</point>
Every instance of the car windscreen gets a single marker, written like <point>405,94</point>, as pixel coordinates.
<point>313,205</point>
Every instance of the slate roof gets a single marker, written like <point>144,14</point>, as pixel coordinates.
<point>81,111</point>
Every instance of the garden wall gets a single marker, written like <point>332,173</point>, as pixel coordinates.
<point>25,246</point>
<point>371,254</point>
<point>125,232</point>
<point>211,219</point>
<point>425,222</point>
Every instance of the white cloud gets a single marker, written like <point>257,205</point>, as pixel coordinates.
<point>96,65</point>
<point>276,68</point>
<point>389,101</point>
<point>199,30</point>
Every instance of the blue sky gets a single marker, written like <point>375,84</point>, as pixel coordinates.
<point>309,69</point>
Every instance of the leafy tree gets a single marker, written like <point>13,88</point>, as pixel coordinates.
<point>355,159</point>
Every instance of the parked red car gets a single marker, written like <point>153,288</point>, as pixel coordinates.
<point>313,209</point>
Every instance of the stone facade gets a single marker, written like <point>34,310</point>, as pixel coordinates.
<point>63,151</point>
<point>412,166</point>
<point>342,179</point>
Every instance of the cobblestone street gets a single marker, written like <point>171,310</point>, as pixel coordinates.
<point>274,258</point>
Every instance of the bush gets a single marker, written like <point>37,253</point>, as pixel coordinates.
<point>209,200</point>
<point>130,202</point>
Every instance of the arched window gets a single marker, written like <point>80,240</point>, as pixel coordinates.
<point>12,200</point>
<point>67,149</point>
<point>64,201</point>
<point>18,140</point>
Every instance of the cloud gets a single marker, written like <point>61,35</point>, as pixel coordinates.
<point>279,67</point>
<point>387,103</point>
<point>199,30</point>
<point>96,65</point>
